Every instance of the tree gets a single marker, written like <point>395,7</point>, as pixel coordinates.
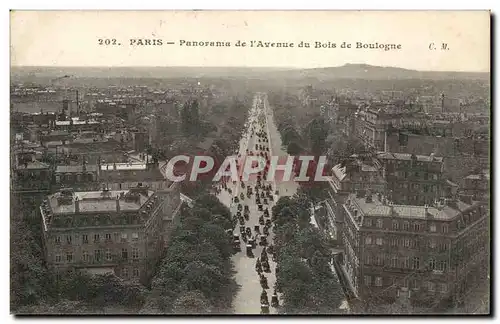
<point>293,148</point>
<point>216,235</point>
<point>201,276</point>
<point>192,302</point>
<point>316,132</point>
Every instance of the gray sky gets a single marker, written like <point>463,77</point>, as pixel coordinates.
<point>70,38</point>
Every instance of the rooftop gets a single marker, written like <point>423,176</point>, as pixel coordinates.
<point>377,208</point>
<point>33,165</point>
<point>76,168</point>
<point>97,201</point>
<point>408,156</point>
<point>485,175</point>
<point>123,166</point>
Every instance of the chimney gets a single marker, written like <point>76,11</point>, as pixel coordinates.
<point>117,203</point>
<point>426,210</point>
<point>369,198</point>
<point>77,205</point>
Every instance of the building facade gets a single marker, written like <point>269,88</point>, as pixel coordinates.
<point>116,231</point>
<point>413,179</point>
<point>417,251</point>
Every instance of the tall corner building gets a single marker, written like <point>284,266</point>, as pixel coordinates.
<point>118,231</point>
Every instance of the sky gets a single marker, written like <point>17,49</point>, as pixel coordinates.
<point>70,38</point>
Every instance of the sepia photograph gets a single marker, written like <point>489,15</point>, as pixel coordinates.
<point>250,163</point>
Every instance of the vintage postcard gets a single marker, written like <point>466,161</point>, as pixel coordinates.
<point>250,162</point>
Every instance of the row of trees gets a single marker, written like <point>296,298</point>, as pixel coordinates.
<point>196,275</point>
<point>305,278</point>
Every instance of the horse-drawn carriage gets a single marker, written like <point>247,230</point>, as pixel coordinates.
<point>263,282</point>
<point>264,302</point>
<point>249,250</point>
<point>263,240</point>
<point>274,300</point>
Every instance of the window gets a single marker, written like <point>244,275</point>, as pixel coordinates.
<point>432,264</point>
<point>407,242</point>
<point>57,239</point>
<point>416,263</point>
<point>416,227</point>
<point>417,174</point>
<point>368,259</point>
<point>368,222</point>
<point>135,253</point>
<point>135,273</point>
<point>431,286</point>
<point>368,280</point>
<point>124,254</point>
<point>97,238</point>
<point>435,176</point>
<point>395,225</point>
<point>432,228</point>
<point>368,240</point>
<point>394,241</point>
<point>414,284</point>
<point>380,223</point>
<point>108,237</point>
<point>125,273</point>
<point>68,239</point>
<point>432,244</point>
<point>406,174</point>
<point>443,287</point>
<point>426,188</point>
<point>85,239</point>
<point>69,256</point>
<point>378,281</point>
<point>444,228</point>
<point>394,261</point>
<point>85,256</point>
<point>426,176</point>
<point>379,241</point>
<point>379,260</point>
<point>442,266</point>
<point>406,226</point>
<point>406,262</point>
<point>135,236</point>
<point>124,237</point>
<point>109,257</point>
<point>97,255</point>
<point>117,237</point>
<point>58,258</point>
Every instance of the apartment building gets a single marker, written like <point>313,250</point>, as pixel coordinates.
<point>422,252</point>
<point>413,179</point>
<point>115,231</point>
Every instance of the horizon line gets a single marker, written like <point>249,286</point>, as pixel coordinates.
<point>242,67</point>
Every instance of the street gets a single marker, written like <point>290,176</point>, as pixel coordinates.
<point>248,299</point>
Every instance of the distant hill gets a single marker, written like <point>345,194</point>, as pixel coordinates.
<point>347,71</point>
<point>365,71</point>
